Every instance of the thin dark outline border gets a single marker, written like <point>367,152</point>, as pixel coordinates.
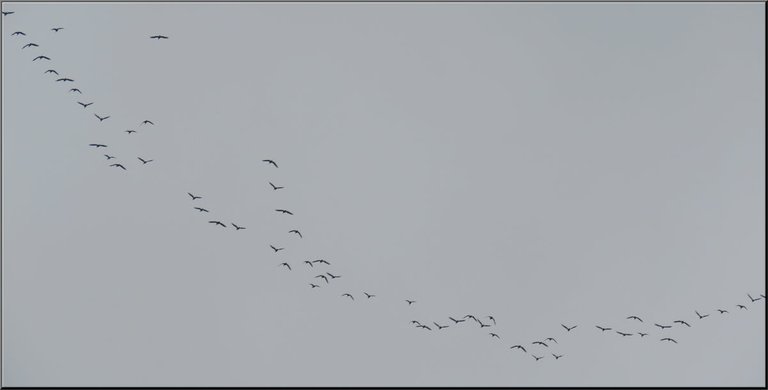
<point>338,2</point>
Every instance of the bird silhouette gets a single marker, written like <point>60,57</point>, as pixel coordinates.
<point>662,327</point>
<point>6,13</point>
<point>284,211</point>
<point>101,119</point>
<point>369,296</point>
<point>557,356</point>
<point>200,209</point>
<point>494,335</point>
<point>85,105</point>
<point>601,328</point>
<point>669,339</point>
<point>551,339</point>
<point>218,223</point>
<point>482,325</point>
<point>455,321</point>
<point>41,58</point>
<point>701,316</point>
<point>410,302</point>
<point>286,265</point>
<point>634,318</point>
<point>323,277</point>
<point>348,295</point>
<point>681,322</point>
<point>470,316</point>
<point>309,263</point>
<point>158,37</point>
<point>313,285</point>
<point>321,261</point>
<point>567,328</point>
<point>17,33</point>
<point>143,161</point>
<point>237,227</point>
<point>118,166</point>
<point>270,162</point>
<point>276,249</point>
<point>332,275</point>
<point>440,326</point>
<point>194,196</point>
<point>297,232</point>
<point>754,299</point>
<point>415,322</point>
<point>98,145</point>
<point>492,319</point>
<point>540,343</point>
<point>721,311</point>
<point>32,45</point>
<point>274,187</point>
<point>518,347</point>
<point>130,131</point>
<point>424,327</point>
<point>65,79</point>
<point>624,334</point>
<point>741,307</point>
<point>52,71</point>
<point>109,157</point>
<point>642,334</point>
<point>75,90</point>
<point>537,357</point>
<point>57,29</point>
<point>147,122</point>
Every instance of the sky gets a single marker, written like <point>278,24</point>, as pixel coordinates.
<point>543,164</point>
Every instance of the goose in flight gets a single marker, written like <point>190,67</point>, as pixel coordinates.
<point>276,249</point>
<point>601,328</point>
<point>193,196</point>
<point>32,44</point>
<point>321,261</point>
<point>455,321</point>
<point>41,58</point>
<point>270,162</point>
<point>424,327</point>
<point>494,335</point>
<point>681,322</point>
<point>635,318</point>
<point>284,211</point>
<point>323,277</point>
<point>540,343</point>
<point>98,145</point>
<point>75,90</point>
<point>754,299</point>
<point>297,232</point>
<point>721,311</point>
<point>274,187</point>
<point>439,327</point>
<point>410,302</point>
<point>101,119</point>
<point>309,263</point>
<point>662,327</point>
<point>286,265</point>
<point>482,325</point>
<point>109,157</point>
<point>85,105</point>
<point>741,307</point>
<point>537,357</point>
<point>551,339</point>
<point>624,334</point>
<point>313,285</point>
<point>701,316</point>
<point>200,209</point>
<point>57,29</point>
<point>369,296</point>
<point>518,347</point>
<point>118,166</point>
<point>470,316</point>
<point>143,161</point>
<point>147,122</point>
<point>557,356</point>
<point>65,79</point>
<point>492,319</point>
<point>130,131</point>
<point>332,275</point>
<point>567,328</point>
<point>237,227</point>
<point>52,71</point>
<point>6,13</point>
<point>18,33</point>
<point>158,37</point>
<point>669,339</point>
<point>218,223</point>
<point>348,295</point>
<point>642,334</point>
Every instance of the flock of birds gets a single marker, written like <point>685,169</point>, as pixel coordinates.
<point>537,349</point>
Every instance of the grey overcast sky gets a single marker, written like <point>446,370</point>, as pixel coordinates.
<point>545,164</point>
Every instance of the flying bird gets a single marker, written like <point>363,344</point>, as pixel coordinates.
<point>218,223</point>
<point>567,328</point>
<point>492,319</point>
<point>143,161</point>
<point>52,71</point>
<point>297,232</point>
<point>348,295</point>
<point>130,131</point>
<point>701,316</point>
<point>410,302</point>
<point>237,227</point>
<point>309,263</point>
<point>101,119</point>
<point>6,13</point>
<point>109,157</point>
<point>440,326</point>
<point>537,357</point>
<point>424,327</point>
<point>722,311</point>
<point>270,162</point>
<point>540,343</point>
<point>65,79</point>
<point>663,326</point>
<point>601,328</point>
<point>147,122</point>
<point>472,317</point>
<point>200,209</point>
<point>455,321</point>
<point>482,325</point>
<point>274,187</point>
<point>624,334</point>
<point>518,347</point>
<point>754,299</point>
<point>741,307</point>
<point>118,166</point>
<point>193,196</point>
<point>85,105</point>
<point>98,145</point>
<point>681,322</point>
<point>557,356</point>
<point>634,318</point>
<point>18,33</point>
<point>40,58</point>
<point>642,334</point>
<point>158,37</point>
<point>33,45</point>
<point>415,322</point>
<point>286,265</point>
<point>494,335</point>
<point>276,249</point>
<point>324,278</point>
<point>284,211</point>
<point>369,296</point>
<point>57,29</point>
<point>313,285</point>
<point>551,339</point>
<point>321,261</point>
<point>332,275</point>
<point>669,339</point>
<point>75,90</point>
